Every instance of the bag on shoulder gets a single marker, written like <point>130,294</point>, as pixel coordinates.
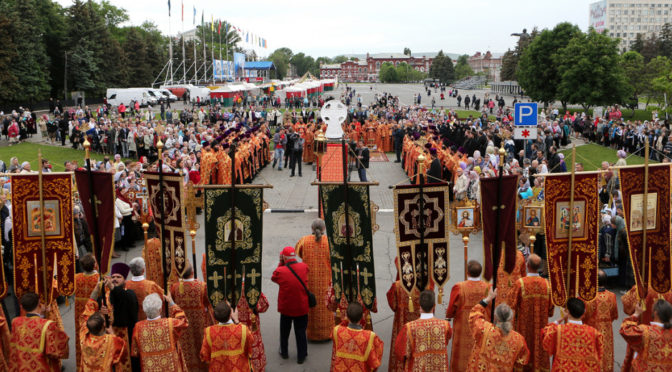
<point>312,301</point>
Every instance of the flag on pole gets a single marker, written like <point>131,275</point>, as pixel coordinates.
<point>219,28</point>
<point>182,10</point>
<point>202,18</point>
<point>168,8</point>
<point>194,14</point>
<point>212,23</point>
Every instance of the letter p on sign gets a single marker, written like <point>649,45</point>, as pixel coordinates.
<point>525,114</point>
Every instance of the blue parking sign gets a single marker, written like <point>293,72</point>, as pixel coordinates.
<point>525,114</point>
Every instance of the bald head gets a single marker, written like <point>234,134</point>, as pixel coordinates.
<point>533,263</point>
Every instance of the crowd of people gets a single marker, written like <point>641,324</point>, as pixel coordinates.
<point>210,144</point>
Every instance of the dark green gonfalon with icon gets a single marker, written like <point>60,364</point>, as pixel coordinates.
<point>350,229</point>
<point>233,242</point>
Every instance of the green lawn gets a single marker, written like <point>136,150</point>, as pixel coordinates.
<point>56,155</point>
<point>592,156</point>
<point>463,114</point>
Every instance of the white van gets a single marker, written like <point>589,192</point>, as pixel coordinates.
<point>116,96</point>
<point>167,94</point>
<point>203,93</point>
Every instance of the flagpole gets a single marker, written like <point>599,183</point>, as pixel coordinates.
<point>42,236</point>
<point>497,250</point>
<point>348,253</point>
<point>184,59</point>
<point>212,48</point>
<point>233,223</point>
<point>205,59</point>
<point>219,32</point>
<point>170,47</point>
<point>571,223</point>
<point>195,59</point>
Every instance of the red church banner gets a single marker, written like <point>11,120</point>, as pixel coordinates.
<point>58,234</point>
<point>657,261</point>
<point>500,216</point>
<point>583,223</point>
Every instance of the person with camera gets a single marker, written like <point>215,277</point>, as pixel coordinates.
<point>296,156</point>
<point>291,275</point>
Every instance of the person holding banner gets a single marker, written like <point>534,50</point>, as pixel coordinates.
<point>141,286</point>
<point>94,338</point>
<point>355,349</point>
<point>463,297</point>
<point>227,346</point>
<point>84,283</point>
<point>573,345</point>
<point>37,344</point>
<point>650,342</point>
<point>600,313</point>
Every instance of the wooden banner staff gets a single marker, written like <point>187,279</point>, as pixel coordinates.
<point>191,220</point>
<point>571,222</point>
<point>97,246</point>
<point>159,146</point>
<point>42,236</point>
<point>421,222</point>
<point>497,250</point>
<point>645,213</point>
<point>348,253</point>
<point>232,234</point>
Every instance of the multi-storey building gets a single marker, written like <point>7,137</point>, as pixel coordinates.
<point>368,69</point>
<point>625,19</point>
<point>486,63</point>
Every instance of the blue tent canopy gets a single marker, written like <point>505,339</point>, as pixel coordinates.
<point>259,65</point>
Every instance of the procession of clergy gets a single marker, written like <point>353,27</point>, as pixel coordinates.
<point>133,324</point>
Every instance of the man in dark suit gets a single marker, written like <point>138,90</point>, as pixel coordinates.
<point>434,172</point>
<point>362,160</point>
<point>398,135</point>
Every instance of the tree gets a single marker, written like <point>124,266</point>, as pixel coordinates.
<point>638,44</point>
<point>650,48</point>
<point>340,59</point>
<point>442,68</point>
<point>407,52</point>
<point>8,79</point>
<point>509,66</point>
<point>633,66</point>
<point>140,68</point>
<point>280,58</point>
<point>302,63</point>
<point>590,72</point>
<point>659,66</point>
<point>665,43</point>
<point>388,73</point>
<point>462,68</point>
<point>31,67</point>
<point>538,67</point>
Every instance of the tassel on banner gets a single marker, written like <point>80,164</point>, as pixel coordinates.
<point>253,322</point>
<point>441,295</point>
<point>410,304</point>
<point>368,321</point>
<point>337,318</point>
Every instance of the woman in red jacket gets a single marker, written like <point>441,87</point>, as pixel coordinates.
<point>291,275</point>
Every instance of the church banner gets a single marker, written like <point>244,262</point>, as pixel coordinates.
<point>428,248</point>
<point>59,240</point>
<point>233,243</point>
<point>499,216</point>
<point>357,257</point>
<point>584,225</point>
<point>102,215</point>
<point>174,219</point>
<point>657,266</point>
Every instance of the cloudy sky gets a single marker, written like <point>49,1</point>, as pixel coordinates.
<point>330,28</point>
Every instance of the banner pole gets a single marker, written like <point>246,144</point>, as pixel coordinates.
<point>496,252</point>
<point>159,146</point>
<point>348,253</point>
<point>233,226</point>
<point>645,213</point>
<point>571,222</point>
<point>42,236</point>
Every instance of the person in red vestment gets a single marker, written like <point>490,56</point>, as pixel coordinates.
<point>155,340</point>
<point>630,300</point>
<point>532,305</point>
<point>423,343</point>
<point>653,342</point>
<point>191,295</point>
<point>463,297</point>
<point>600,313</point>
<point>250,318</point>
<point>355,349</point>
<point>497,348</point>
<point>37,344</point>
<point>141,286</point>
<point>152,255</point>
<point>314,251</point>
<point>4,342</point>
<point>397,298</point>
<point>227,346</point>
<point>101,351</point>
<point>506,281</point>
<point>84,283</point>
<point>573,345</point>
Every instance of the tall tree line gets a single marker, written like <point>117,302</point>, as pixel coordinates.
<point>46,46</point>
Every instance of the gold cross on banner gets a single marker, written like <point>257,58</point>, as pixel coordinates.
<point>500,207</point>
<point>253,275</point>
<point>191,204</point>
<point>95,205</point>
<point>366,275</point>
<point>215,277</point>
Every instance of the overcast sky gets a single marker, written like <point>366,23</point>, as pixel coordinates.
<point>330,28</point>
